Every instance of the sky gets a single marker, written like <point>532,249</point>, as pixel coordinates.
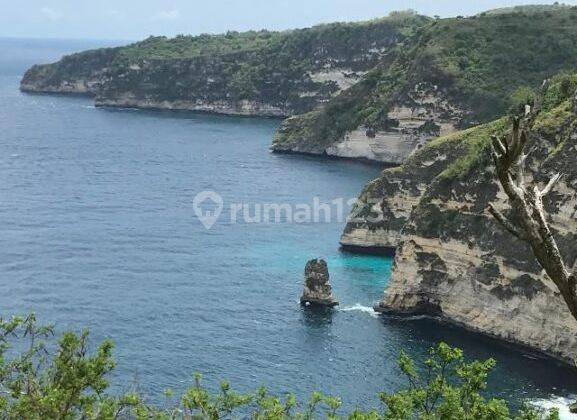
<point>137,19</point>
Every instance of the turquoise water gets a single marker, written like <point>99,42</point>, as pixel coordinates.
<point>99,231</point>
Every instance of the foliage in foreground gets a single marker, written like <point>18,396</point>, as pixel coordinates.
<point>70,383</point>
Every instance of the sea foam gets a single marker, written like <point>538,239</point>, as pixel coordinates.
<point>360,308</point>
<point>560,403</point>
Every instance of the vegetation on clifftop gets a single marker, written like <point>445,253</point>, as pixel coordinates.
<point>485,59</point>
<point>343,36</point>
<point>470,148</point>
<point>477,64</point>
<point>476,143</point>
<point>294,71</point>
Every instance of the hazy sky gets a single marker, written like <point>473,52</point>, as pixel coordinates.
<point>135,19</point>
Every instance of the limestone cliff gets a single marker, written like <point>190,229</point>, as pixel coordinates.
<point>450,74</point>
<point>385,205</point>
<point>452,259</point>
<point>407,124</point>
<point>374,90</point>
<point>252,73</point>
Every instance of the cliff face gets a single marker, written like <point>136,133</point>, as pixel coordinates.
<point>82,73</point>
<point>452,74</point>
<point>385,206</point>
<point>403,126</point>
<point>453,260</point>
<point>375,90</point>
<point>253,73</point>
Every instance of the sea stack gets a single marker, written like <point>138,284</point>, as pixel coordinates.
<point>317,290</point>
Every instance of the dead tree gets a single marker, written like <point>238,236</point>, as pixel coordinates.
<point>527,219</point>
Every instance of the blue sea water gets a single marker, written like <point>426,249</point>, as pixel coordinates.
<point>98,230</point>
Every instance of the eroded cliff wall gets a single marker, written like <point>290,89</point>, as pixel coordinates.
<point>450,74</point>
<point>452,259</point>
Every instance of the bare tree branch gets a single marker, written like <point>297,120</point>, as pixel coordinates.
<point>498,145</point>
<point>528,220</point>
<point>550,185</point>
<point>521,169</point>
<point>504,222</point>
<point>573,281</point>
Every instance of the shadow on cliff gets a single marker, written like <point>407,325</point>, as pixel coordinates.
<point>542,375</point>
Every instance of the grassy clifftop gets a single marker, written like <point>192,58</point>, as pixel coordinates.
<point>304,43</point>
<point>554,124</point>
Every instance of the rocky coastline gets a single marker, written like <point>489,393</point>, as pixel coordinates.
<point>242,108</point>
<point>413,122</point>
<point>452,260</point>
<point>255,73</point>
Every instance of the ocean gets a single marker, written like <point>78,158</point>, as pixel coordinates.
<point>100,230</point>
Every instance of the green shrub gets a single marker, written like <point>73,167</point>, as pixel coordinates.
<point>71,383</point>
<point>524,95</point>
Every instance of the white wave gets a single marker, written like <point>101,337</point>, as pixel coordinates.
<point>410,317</point>
<point>560,403</point>
<point>360,308</point>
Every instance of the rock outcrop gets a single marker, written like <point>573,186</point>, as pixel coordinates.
<point>452,259</point>
<point>317,289</point>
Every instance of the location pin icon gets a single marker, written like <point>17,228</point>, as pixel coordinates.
<point>207,198</point>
